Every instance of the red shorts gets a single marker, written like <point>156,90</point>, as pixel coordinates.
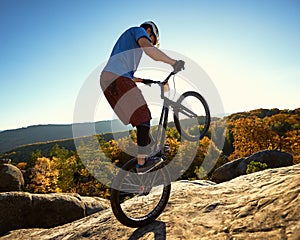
<point>125,98</point>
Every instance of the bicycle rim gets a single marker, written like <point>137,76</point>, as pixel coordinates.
<point>137,200</point>
<point>192,116</point>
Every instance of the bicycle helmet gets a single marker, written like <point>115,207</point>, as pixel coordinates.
<point>154,29</point>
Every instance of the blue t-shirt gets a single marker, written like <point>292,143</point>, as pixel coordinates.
<point>127,53</point>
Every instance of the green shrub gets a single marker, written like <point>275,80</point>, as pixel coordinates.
<point>255,167</point>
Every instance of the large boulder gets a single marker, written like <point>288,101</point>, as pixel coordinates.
<point>262,205</point>
<point>11,178</point>
<point>94,204</point>
<point>238,167</point>
<point>15,210</point>
<point>25,210</point>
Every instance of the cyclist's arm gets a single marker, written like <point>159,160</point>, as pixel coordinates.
<point>154,52</point>
<point>135,79</point>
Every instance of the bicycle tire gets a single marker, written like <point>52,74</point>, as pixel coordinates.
<point>118,199</point>
<point>201,122</point>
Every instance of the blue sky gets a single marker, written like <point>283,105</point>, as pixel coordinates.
<point>250,50</point>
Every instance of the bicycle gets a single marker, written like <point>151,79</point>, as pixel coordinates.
<point>131,201</point>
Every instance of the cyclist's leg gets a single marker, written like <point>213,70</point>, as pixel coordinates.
<point>143,141</point>
<point>129,104</point>
<point>144,163</point>
<point>126,99</point>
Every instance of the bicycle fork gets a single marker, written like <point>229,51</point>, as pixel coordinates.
<point>161,131</point>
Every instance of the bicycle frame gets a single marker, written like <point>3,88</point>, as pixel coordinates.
<point>163,121</point>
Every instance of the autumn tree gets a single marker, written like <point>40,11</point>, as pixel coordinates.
<point>278,130</point>
<point>96,168</point>
<point>44,176</point>
<point>34,156</point>
<point>292,144</point>
<point>250,135</point>
<point>67,169</point>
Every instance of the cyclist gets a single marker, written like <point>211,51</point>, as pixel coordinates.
<point>119,84</point>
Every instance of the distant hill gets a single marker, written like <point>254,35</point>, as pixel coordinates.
<point>262,113</point>
<point>10,139</point>
<point>19,143</point>
<point>23,153</point>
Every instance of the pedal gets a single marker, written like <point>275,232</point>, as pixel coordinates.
<point>166,148</point>
<point>163,152</point>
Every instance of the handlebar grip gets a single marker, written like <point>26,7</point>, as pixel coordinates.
<point>147,81</point>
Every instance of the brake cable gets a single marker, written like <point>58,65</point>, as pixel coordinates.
<point>174,86</point>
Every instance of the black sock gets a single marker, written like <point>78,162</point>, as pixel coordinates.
<point>143,138</point>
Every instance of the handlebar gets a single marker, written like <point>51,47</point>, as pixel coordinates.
<point>177,66</point>
<point>149,81</point>
<point>163,85</point>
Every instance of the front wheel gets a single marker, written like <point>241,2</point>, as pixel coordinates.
<point>191,116</point>
<point>137,200</point>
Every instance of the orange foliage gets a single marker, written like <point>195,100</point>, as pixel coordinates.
<point>251,135</point>
<point>22,165</point>
<point>44,176</point>
<point>278,132</point>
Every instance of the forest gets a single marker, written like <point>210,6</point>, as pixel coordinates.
<point>62,170</point>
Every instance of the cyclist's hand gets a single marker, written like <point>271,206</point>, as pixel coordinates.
<point>178,66</point>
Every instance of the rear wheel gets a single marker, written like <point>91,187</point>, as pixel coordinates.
<point>137,200</point>
<point>191,116</point>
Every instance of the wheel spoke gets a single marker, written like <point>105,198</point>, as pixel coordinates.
<point>140,199</point>
<point>191,116</point>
